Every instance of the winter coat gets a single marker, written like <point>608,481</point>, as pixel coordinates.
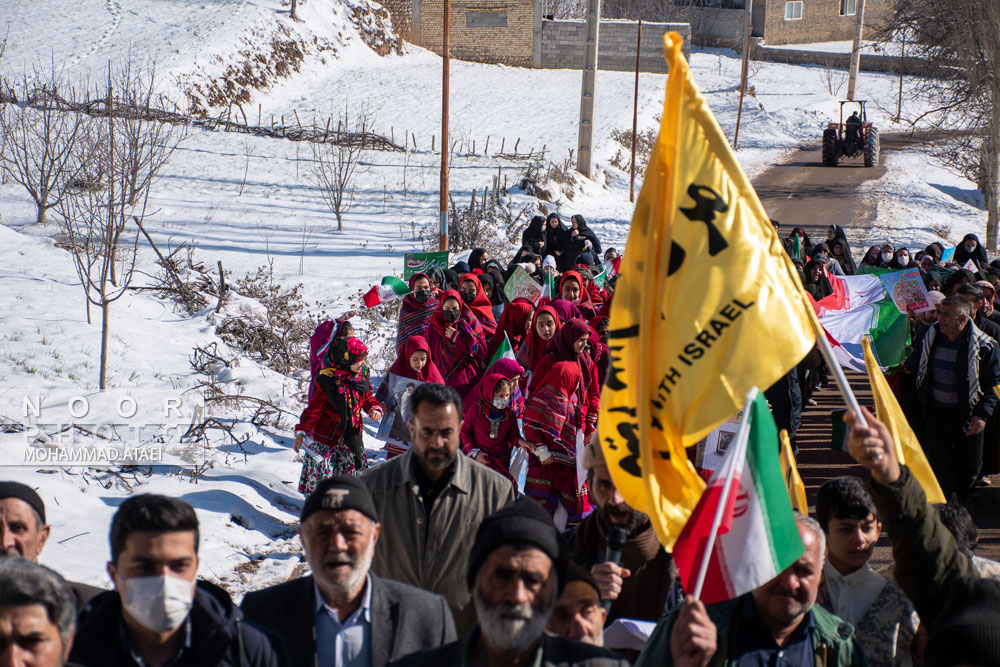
<point>220,636</point>
<point>978,371</point>
<point>490,435</point>
<point>557,242</point>
<point>460,359</point>
<point>977,255</point>
<point>927,557</point>
<point>432,551</point>
<point>584,234</point>
<point>834,642</point>
<point>404,619</point>
<point>555,652</point>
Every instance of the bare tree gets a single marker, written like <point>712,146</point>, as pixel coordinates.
<point>336,164</point>
<point>96,220</point>
<point>964,35</point>
<point>42,142</point>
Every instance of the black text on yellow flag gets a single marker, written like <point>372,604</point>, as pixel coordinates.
<point>707,306</point>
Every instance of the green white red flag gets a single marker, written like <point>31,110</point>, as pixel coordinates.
<point>392,288</point>
<point>505,351</point>
<point>744,521</point>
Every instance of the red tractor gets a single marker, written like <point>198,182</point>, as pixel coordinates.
<point>851,138</point>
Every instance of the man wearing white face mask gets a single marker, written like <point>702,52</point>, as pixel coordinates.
<point>159,614</point>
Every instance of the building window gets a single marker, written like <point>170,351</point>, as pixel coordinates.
<point>793,10</point>
<point>848,7</point>
<point>486,19</point>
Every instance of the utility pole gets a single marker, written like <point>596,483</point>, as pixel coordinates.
<point>859,19</point>
<point>747,34</point>
<point>445,143</point>
<point>584,152</point>
<point>635,111</point>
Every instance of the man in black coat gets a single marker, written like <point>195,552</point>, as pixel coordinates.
<point>159,614</point>
<point>517,570</point>
<point>342,614</point>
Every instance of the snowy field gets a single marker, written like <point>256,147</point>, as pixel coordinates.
<point>247,500</point>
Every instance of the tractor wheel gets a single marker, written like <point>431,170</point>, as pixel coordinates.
<point>830,153</point>
<point>871,147</point>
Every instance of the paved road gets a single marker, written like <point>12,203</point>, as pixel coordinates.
<point>804,193</point>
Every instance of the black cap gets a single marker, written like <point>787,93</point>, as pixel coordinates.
<point>580,573</point>
<point>342,492</point>
<point>25,493</point>
<point>520,522</point>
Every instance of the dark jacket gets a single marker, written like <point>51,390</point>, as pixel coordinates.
<point>987,326</point>
<point>404,619</point>
<point>219,634</point>
<point>84,593</point>
<point>556,652</point>
<point>834,643</point>
<point>645,593</point>
<point>986,357</point>
<point>533,236</point>
<point>927,557</point>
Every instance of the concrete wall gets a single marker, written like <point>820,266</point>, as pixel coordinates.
<point>562,45</point>
<point>710,26</point>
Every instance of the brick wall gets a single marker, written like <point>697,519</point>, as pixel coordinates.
<point>562,45</point>
<point>821,21</point>
<point>490,31</point>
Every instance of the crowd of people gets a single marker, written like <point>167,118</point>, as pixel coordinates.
<point>448,553</point>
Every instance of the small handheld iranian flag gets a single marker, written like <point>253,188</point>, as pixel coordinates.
<point>505,351</point>
<point>742,533</point>
<point>392,288</point>
<point>548,287</point>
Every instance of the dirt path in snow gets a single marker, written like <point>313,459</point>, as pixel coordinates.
<point>803,193</point>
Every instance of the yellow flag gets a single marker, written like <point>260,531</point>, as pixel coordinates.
<point>707,306</point>
<point>793,480</point>
<point>908,449</point>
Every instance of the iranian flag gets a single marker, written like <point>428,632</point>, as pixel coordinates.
<point>880,322</point>
<point>746,509</point>
<point>505,351</point>
<point>392,288</point>
<point>548,287</point>
<point>851,292</point>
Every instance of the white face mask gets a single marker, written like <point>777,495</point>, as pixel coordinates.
<point>887,257</point>
<point>159,603</point>
<point>499,403</point>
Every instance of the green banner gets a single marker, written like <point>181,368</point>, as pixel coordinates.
<point>422,262</point>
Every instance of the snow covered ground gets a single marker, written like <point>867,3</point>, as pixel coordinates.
<point>248,499</point>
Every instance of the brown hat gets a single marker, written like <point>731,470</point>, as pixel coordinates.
<point>593,454</point>
<point>985,284</point>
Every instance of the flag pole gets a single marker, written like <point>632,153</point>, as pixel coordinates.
<point>742,435</point>
<point>838,373</point>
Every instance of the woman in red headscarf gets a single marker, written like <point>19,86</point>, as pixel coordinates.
<point>513,324</point>
<point>332,421</point>
<point>472,294</point>
<point>544,325</point>
<point>457,342</point>
<point>572,289</point>
<point>413,363</point>
<point>552,421</point>
<point>489,430</point>
<point>599,347</point>
<point>416,310</point>
<point>572,343</point>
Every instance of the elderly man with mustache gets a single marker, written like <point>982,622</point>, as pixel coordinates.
<point>517,570</point>
<point>341,614</point>
<point>775,624</point>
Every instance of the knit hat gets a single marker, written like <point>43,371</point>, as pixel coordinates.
<point>520,522</point>
<point>967,629</point>
<point>342,492</point>
<point>985,284</point>
<point>580,573</point>
<point>25,493</point>
<point>934,297</point>
<point>549,261</point>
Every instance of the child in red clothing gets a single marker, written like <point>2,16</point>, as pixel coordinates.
<point>489,430</point>
<point>333,418</point>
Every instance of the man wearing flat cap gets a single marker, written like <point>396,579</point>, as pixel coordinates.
<point>23,531</point>
<point>517,570</point>
<point>341,614</point>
